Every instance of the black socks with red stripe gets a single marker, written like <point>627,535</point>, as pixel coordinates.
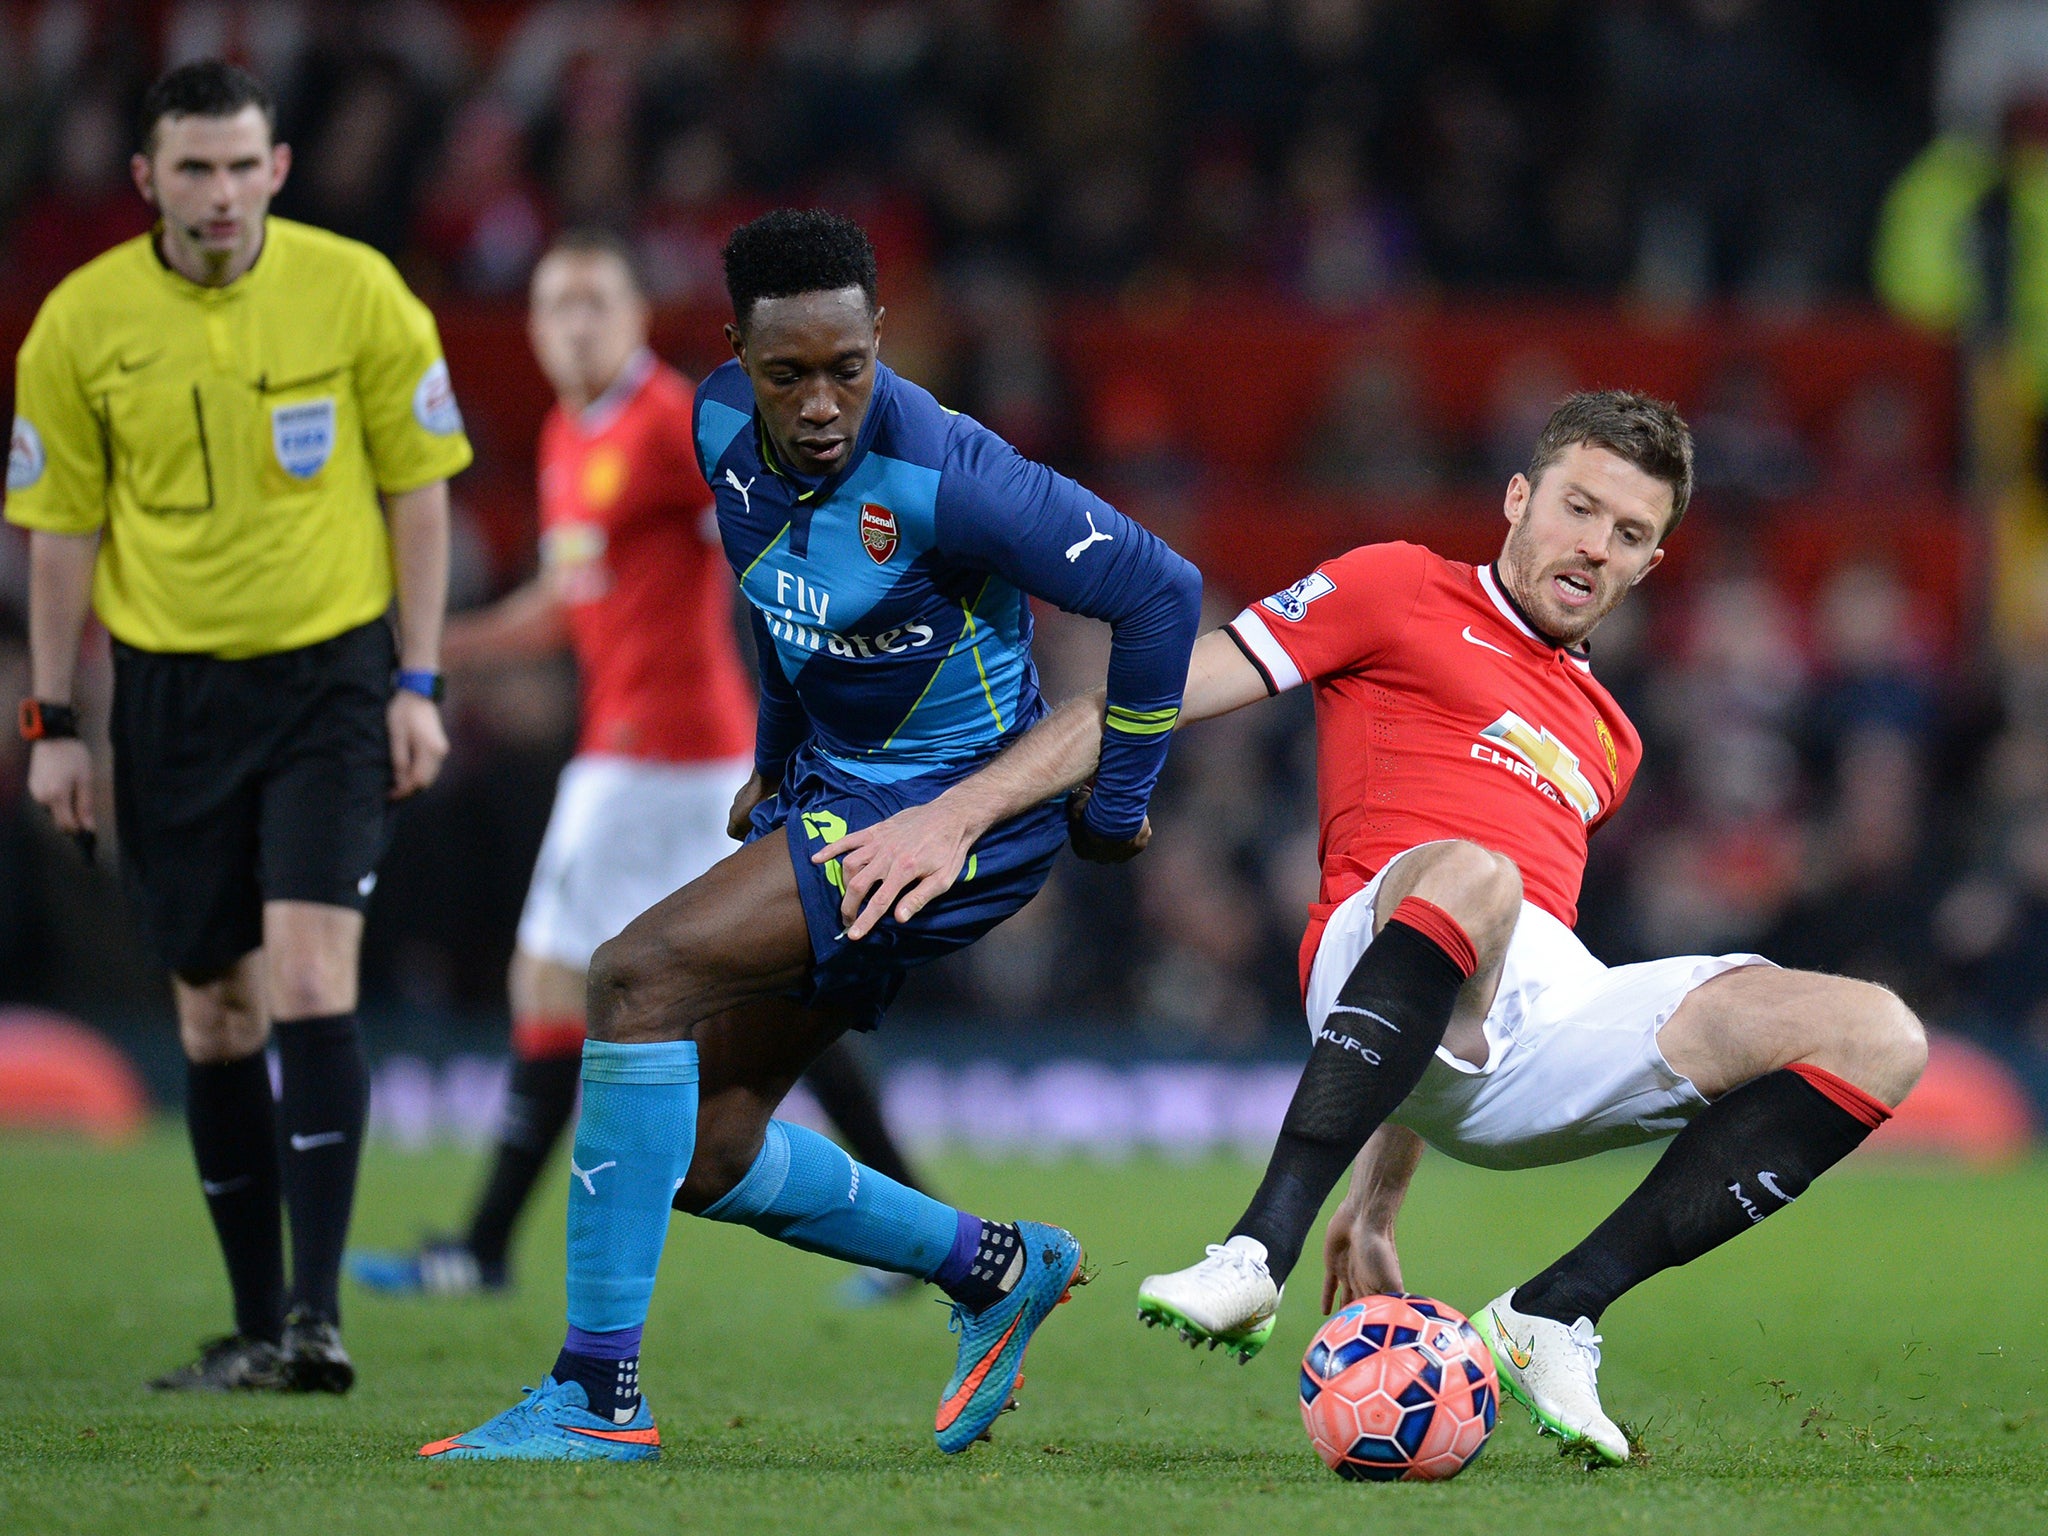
<point>1368,1056</point>
<point>1750,1153</point>
<point>233,1123</point>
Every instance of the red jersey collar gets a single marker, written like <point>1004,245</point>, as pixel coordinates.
<point>1511,610</point>
<point>595,417</point>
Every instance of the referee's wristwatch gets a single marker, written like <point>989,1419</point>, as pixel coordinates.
<point>428,685</point>
<point>45,721</point>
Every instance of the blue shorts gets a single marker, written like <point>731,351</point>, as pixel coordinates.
<point>820,802</point>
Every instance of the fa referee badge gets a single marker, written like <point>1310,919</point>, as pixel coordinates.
<point>303,436</point>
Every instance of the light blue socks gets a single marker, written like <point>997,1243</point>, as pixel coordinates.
<point>804,1191</point>
<point>633,1145</point>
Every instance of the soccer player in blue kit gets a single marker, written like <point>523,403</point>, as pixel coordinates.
<point>887,548</point>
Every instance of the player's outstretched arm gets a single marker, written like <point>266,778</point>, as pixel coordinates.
<point>528,622</point>
<point>1359,1257</point>
<point>913,857</point>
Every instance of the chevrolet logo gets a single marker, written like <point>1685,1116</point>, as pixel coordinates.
<point>1552,760</point>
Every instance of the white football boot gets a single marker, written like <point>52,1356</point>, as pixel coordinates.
<point>1553,1371</point>
<point>1229,1299</point>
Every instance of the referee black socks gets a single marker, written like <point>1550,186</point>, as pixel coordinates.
<point>322,1108</point>
<point>233,1126</point>
<point>1746,1156</point>
<point>1368,1056</point>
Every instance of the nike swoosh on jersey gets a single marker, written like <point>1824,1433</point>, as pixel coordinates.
<point>1487,643</point>
<point>127,367</point>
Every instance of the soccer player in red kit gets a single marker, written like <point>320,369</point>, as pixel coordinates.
<point>1465,754</point>
<point>633,580</point>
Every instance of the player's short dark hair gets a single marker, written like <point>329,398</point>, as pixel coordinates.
<point>596,240</point>
<point>796,250</point>
<point>1640,428</point>
<point>203,88</point>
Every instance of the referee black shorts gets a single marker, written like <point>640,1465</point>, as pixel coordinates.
<point>241,782</point>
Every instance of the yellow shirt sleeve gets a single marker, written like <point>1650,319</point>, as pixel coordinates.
<point>410,418</point>
<point>57,455</point>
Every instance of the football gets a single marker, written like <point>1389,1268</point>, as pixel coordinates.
<point>1398,1388</point>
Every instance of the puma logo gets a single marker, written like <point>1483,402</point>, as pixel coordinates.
<point>746,501</point>
<point>1076,550</point>
<point>588,1174</point>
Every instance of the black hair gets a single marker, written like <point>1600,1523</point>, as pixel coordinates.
<point>597,240</point>
<point>1647,432</point>
<point>203,88</point>
<point>796,250</point>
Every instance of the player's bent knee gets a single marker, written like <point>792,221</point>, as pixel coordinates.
<point>717,1166</point>
<point>1481,887</point>
<point>640,988</point>
<point>609,989</point>
<point>1896,1043</point>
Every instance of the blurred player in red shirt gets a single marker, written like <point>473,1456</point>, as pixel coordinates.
<point>1465,753</point>
<point>633,580</point>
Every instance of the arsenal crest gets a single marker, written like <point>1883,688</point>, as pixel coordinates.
<point>877,532</point>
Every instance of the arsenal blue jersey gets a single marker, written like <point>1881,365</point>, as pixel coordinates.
<point>890,599</point>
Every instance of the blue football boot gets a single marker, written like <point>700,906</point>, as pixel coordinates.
<point>440,1267</point>
<point>992,1342</point>
<point>554,1423</point>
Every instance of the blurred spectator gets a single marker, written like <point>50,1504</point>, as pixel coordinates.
<point>1863,907</point>
<point>89,204</point>
<point>1372,437</point>
<point>1523,394</point>
<point>690,210</point>
<point>483,223</point>
<point>1743,436</point>
<point>1880,447</point>
<point>1951,252</point>
<point>1343,249</point>
<point>593,176</point>
<point>266,36</point>
<point>1872,651</point>
<point>1993,930</point>
<point>357,171</point>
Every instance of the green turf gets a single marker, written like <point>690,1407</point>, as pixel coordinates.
<point>1876,1360</point>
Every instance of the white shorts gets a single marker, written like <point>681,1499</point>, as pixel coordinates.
<point>624,833</point>
<point>1572,1065</point>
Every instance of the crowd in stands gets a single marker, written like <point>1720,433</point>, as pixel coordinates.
<point>1343,150</point>
<point>1841,776</point>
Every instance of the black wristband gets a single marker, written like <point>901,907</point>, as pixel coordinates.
<point>43,721</point>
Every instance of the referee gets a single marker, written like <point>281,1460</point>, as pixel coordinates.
<point>207,417</point>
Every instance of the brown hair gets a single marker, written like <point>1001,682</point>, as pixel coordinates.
<point>1647,432</point>
<point>597,240</point>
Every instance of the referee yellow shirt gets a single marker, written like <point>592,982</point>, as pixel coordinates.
<point>231,442</point>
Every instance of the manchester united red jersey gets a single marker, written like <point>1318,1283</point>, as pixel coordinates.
<point>1440,713</point>
<point>627,535</point>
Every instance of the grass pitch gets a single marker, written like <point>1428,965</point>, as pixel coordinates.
<point>1874,1360</point>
